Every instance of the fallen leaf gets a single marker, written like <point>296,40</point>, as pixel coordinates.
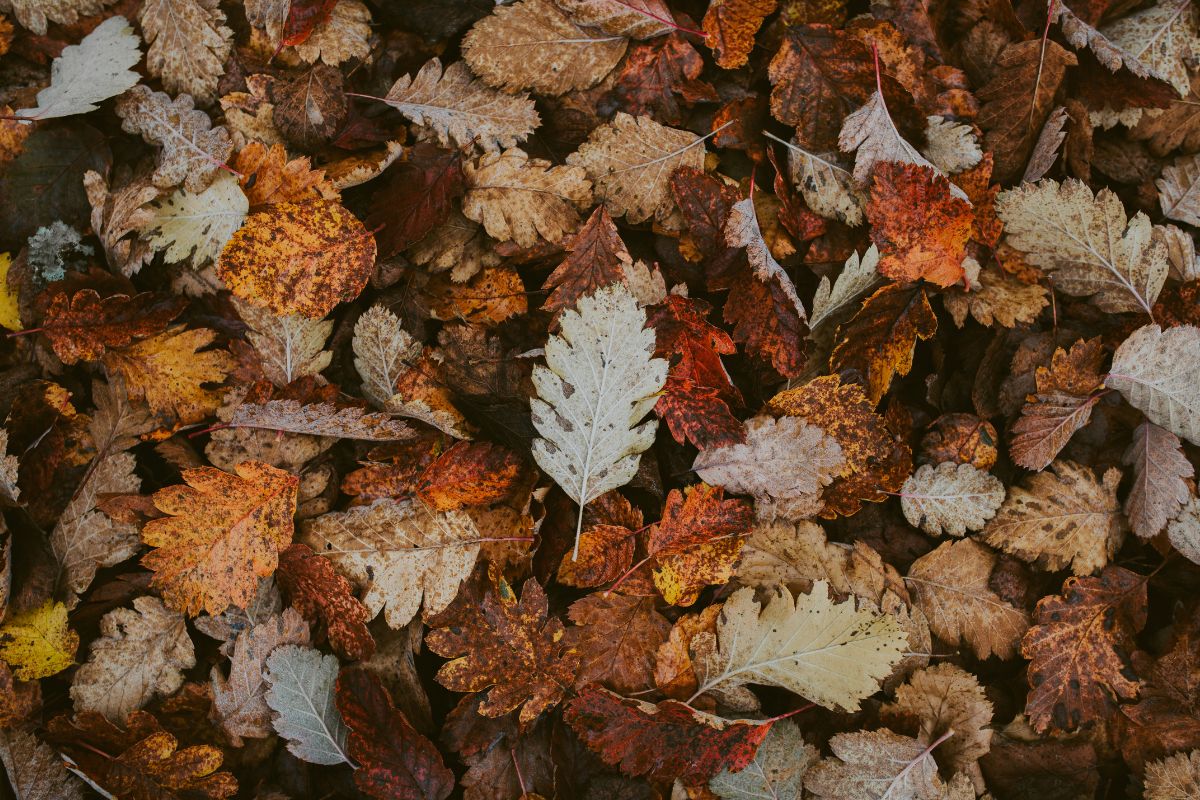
<point>323,596</point>
<point>192,150</point>
<point>1156,371</point>
<point>950,499</point>
<point>301,694</point>
<point>519,199</point>
<point>616,637</point>
<point>90,72</point>
<point>729,28</point>
<point>37,642</point>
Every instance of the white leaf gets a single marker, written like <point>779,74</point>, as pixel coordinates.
<point>301,694</point>
<point>950,498</point>
<point>1179,190</point>
<point>1158,372</point>
<point>951,146</point>
<point>90,72</point>
<point>599,381</point>
<point>290,347</point>
<point>197,225</point>
<point>857,276</point>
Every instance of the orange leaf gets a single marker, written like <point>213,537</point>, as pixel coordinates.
<point>323,595</point>
<point>470,474</point>
<point>82,327</point>
<point>878,342</point>
<point>729,28</point>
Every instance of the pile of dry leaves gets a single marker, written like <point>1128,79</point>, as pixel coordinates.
<point>514,399</point>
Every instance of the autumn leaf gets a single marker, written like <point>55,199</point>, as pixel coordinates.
<point>221,533</point>
<point>35,770</point>
<point>192,150</point>
<point>597,258</point>
<point>697,542</point>
<point>945,698</point>
<point>319,419</point>
<point>777,770</point>
<point>876,765</point>
<point>1066,394</point>
<point>469,474</point>
<point>1160,475</point>
<point>289,346</point>
<point>1157,371</point>
<point>37,642</point>
<point>950,498</point>
<point>878,342</point>
<point>84,325</point>
<point>189,43</point>
<point>729,28</point>
<point>518,199</point>
<point>661,79</point>
<point>301,694</point>
<point>616,637</point>
<point>417,194</point>
<point>324,596</point>
<point>194,227</point>
<point>1173,778</point>
<point>269,176</point>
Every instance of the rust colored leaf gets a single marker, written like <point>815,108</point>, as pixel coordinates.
<point>605,552</point>
<point>325,597</point>
<point>729,28</point>
<point>303,17</point>
<point>657,75</point>
<point>597,258</point>
<point>878,342</point>
<point>311,107</point>
<point>698,541</point>
<point>470,474</point>
<point>269,177</point>
<point>616,637</point>
<point>766,321</point>
<point>82,326</point>
<point>415,196</point>
<point>962,439</point>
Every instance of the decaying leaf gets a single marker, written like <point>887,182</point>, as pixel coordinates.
<point>192,150</point>
<point>1157,371</point>
<point>951,498</point>
<point>38,642</point>
<point>518,199</point>
<point>301,694</point>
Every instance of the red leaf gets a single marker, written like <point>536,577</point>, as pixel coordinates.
<point>766,322</point>
<point>323,595</point>
<point>657,74</point>
<point>597,259</point>
<point>416,196</point>
<point>303,17</point>
<point>700,517</point>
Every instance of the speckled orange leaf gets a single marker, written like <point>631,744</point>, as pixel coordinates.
<point>221,534</point>
<point>470,474</point>
<point>698,541</point>
<point>83,325</point>
<point>323,595</point>
<point>877,461</point>
<point>729,28</point>
<point>268,177</point>
<point>295,258</point>
<point>605,552</point>
<point>921,229</point>
<point>878,342</point>
<point>488,298</point>
<point>674,671</point>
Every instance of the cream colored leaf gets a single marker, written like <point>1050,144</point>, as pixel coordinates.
<point>398,553</point>
<point>1183,532</point>
<point>118,213</point>
<point>35,771</point>
<point>189,43</point>
<point>877,765</point>
<point>34,14</point>
<point>290,347</point>
<point>1162,37</point>
<point>645,282</point>
<point>531,44</point>
<point>320,419</point>
<point>195,227</point>
<point>1160,475</point>
<point>462,110</point>
<point>833,654</point>
<point>1061,518</point>
<point>951,146</point>
<point>995,298</point>
<point>828,187</point>
<point>301,695</point>
<point>784,464</point>
<point>777,771</point>
<point>637,19</point>
<point>1158,372</point>
<point>89,72</point>
<point>1086,243</point>
<point>599,382</point>
<point>1181,253</point>
<point>858,275</point>
<point>1176,777</point>
<point>742,230</point>
<point>383,351</point>
<point>192,151</point>
<point>346,34</point>
<point>9,466</point>
<point>458,244</point>
<point>1109,52</point>
<point>951,586</point>
<point>630,160</point>
<point>1179,190</point>
<point>239,701</point>
<point>141,652</point>
<point>947,698</point>
<point>950,498</point>
<point>85,539</point>
<point>517,198</point>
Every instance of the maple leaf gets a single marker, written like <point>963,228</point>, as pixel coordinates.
<point>921,229</point>
<point>1079,649</point>
<point>417,194</point>
<point>806,646</point>
<point>299,258</point>
<point>531,44</point>
<point>512,649</point>
<point>631,159</point>
<point>777,770</point>
<point>37,642</point>
<point>878,765</point>
<point>188,45</point>
<point>195,227</point>
<point>616,637</point>
<point>239,701</point>
<point>518,199</point>
<point>951,585</point>
<point>82,326</point>
<point>951,498</point>
<point>289,346</point>
<point>35,770</point>
<point>665,742</point>
<point>1157,372</point>
<point>395,762</point>
<point>140,653</point>
<point>729,28</point>
<point>946,698</point>
<point>192,150</point>
<point>1066,394</point>
<point>697,541</point>
<point>401,553</point>
<point>1086,242</point>
<point>90,72</point>
<point>878,342</point>
<point>220,534</point>
<point>322,595</point>
<point>469,474</point>
<point>301,694</point>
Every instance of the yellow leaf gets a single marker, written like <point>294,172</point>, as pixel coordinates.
<point>38,643</point>
<point>10,316</point>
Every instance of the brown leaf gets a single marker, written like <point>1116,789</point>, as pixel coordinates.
<point>616,637</point>
<point>470,474</point>
<point>657,75</point>
<point>1160,474</point>
<point>82,326</point>
<point>597,258</point>
<point>729,28</point>
<point>310,108</point>
<point>1066,393</point>
<point>697,541</point>
<point>192,150</point>
<point>415,196</point>
<point>324,596</point>
<point>269,177</point>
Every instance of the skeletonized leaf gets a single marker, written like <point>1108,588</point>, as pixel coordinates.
<point>1160,473</point>
<point>301,694</point>
<point>196,226</point>
<point>189,43</point>
<point>599,381</point>
<point>519,199</point>
<point>777,771</point>
<point>461,109</point>
<point>289,346</point>
<point>192,150</point>
<point>950,498</point>
<point>833,654</point>
<point>1176,777</point>
<point>1158,372</point>
<point>320,419</point>
<point>858,275</point>
<point>90,72</point>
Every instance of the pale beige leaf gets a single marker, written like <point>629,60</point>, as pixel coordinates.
<point>742,230</point>
<point>951,146</point>
<point>995,298</point>
<point>85,539</point>
<point>636,19</point>
<point>950,498</point>
<point>462,110</point>
<point>1176,777</point>
<point>1045,150</point>
<point>858,275</point>
<point>398,553</point>
<point>876,765</point>
<point>141,652</point>
<point>1179,190</point>
<point>383,351</point>
<point>951,586</point>
<point>531,44</point>
<point>630,160</point>
<point>1162,37</point>
<point>118,214</point>
<point>189,43</point>
<point>834,654</point>
<point>828,187</point>
<point>289,347</point>
<point>239,701</point>
<point>1158,372</point>
<point>90,72</point>
<point>1061,518</point>
<point>116,424</point>
<point>777,771</point>
<point>1086,243</point>
<point>1183,532</point>
<point>1110,52</point>
<point>459,245</point>
<point>645,282</point>
<point>1160,475</point>
<point>345,35</point>
<point>1181,253</point>
<point>194,227</point>
<point>35,771</point>
<point>192,151</point>
<point>34,14</point>
<point>947,698</point>
<point>9,466</point>
<point>226,626</point>
<point>784,464</point>
<point>517,198</point>
<point>320,419</point>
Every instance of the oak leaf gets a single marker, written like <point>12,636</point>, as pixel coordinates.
<point>1079,649</point>
<point>616,637</point>
<point>518,199</point>
<point>81,327</point>
<point>37,642</point>
<point>301,694</point>
<point>950,498</point>
<point>323,596</point>
<point>299,259</point>
<point>1158,372</point>
<point>697,541</point>
<point>188,45</point>
<point>192,151</point>
<point>729,28</point>
<point>921,229</point>
<point>220,534</point>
